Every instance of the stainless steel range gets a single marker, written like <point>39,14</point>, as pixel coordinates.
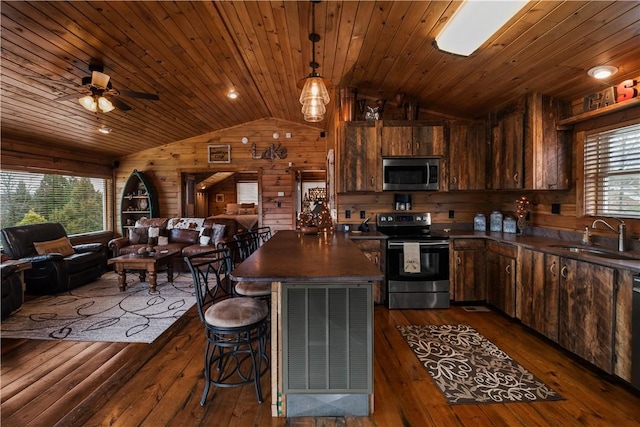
<point>417,262</point>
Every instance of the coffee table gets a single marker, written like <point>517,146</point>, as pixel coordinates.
<point>147,264</point>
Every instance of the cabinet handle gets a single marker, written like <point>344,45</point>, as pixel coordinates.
<point>458,260</point>
<point>408,146</point>
<point>564,271</point>
<point>552,268</point>
<point>508,269</point>
<point>417,146</point>
<point>372,181</point>
<point>515,177</point>
<point>377,260</point>
<point>454,180</point>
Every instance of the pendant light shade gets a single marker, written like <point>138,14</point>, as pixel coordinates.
<point>93,103</point>
<point>313,98</point>
<point>314,94</point>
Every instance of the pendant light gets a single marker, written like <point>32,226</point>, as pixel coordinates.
<point>314,96</point>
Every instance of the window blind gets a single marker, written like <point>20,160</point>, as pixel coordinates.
<point>612,173</point>
<point>247,192</point>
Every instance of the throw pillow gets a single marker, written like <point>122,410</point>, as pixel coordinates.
<point>204,240</point>
<point>61,246</point>
<point>163,240</point>
<point>138,235</point>
<point>232,208</point>
<point>217,233</point>
<point>154,232</point>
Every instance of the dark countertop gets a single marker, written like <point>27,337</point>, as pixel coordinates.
<point>368,235</point>
<point>290,256</point>
<point>549,245</point>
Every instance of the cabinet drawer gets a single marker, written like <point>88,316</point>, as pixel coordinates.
<point>468,244</point>
<point>502,249</point>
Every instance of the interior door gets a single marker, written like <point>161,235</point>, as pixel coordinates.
<point>188,195</point>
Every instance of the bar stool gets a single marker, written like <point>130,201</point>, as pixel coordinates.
<point>240,249</point>
<point>236,328</point>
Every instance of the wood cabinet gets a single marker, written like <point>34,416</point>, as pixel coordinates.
<point>373,249</point>
<point>527,149</point>
<point>501,276</point>
<point>139,200</point>
<point>586,311</point>
<point>467,265</point>
<point>468,147</point>
<point>622,328</point>
<point>537,291</point>
<point>408,139</point>
<point>359,159</point>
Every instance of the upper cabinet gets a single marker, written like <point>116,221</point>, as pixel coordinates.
<point>139,200</point>
<point>527,150</point>
<point>359,160</point>
<point>411,139</point>
<point>468,147</point>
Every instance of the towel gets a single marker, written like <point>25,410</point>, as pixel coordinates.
<point>411,252</point>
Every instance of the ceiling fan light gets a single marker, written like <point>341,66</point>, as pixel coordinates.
<point>89,103</point>
<point>602,71</point>
<point>105,105</point>
<point>474,23</point>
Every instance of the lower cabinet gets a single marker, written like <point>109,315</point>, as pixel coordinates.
<point>372,249</point>
<point>537,291</point>
<point>501,276</point>
<point>467,267</point>
<point>586,311</point>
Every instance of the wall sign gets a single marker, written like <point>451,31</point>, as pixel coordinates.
<point>219,153</point>
<point>624,91</point>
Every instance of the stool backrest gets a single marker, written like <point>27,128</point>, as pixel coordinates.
<point>247,244</point>
<point>210,273</point>
<point>262,235</point>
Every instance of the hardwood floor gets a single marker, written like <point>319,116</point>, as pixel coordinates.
<point>47,383</point>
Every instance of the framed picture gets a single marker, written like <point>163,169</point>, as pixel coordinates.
<point>219,153</point>
<point>219,198</point>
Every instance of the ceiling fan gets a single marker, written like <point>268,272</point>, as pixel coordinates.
<point>98,94</point>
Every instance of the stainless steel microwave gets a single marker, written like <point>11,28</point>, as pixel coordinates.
<point>410,174</point>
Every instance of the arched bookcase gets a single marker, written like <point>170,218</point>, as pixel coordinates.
<point>139,200</point>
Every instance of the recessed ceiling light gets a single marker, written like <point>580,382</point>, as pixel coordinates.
<point>602,71</point>
<point>233,94</point>
<point>104,130</point>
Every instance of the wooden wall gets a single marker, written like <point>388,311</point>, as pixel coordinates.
<point>165,164</point>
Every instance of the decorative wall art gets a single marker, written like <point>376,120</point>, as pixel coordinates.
<point>220,198</point>
<point>219,153</point>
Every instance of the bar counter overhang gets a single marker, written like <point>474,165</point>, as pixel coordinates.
<point>321,323</point>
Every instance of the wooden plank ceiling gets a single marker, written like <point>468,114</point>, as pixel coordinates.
<point>192,53</point>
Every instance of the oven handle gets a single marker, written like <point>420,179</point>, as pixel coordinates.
<point>434,243</point>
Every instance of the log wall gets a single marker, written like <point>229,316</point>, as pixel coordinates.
<point>305,149</point>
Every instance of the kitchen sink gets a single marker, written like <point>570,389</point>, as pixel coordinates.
<point>595,252</point>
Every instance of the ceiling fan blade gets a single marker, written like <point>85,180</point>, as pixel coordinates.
<point>144,95</point>
<point>119,104</point>
<point>68,97</point>
<point>99,80</point>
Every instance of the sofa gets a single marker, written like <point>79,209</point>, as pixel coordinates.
<point>190,236</point>
<point>56,264</point>
<point>11,290</point>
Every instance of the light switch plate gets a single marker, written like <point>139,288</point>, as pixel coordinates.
<point>280,193</point>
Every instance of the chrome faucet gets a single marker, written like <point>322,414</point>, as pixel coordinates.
<point>621,231</point>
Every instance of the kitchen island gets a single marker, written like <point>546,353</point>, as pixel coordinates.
<point>321,323</point>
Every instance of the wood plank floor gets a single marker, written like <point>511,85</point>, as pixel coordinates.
<point>48,383</point>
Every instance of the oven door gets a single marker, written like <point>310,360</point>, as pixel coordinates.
<point>434,261</point>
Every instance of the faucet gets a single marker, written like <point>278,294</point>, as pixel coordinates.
<point>621,231</point>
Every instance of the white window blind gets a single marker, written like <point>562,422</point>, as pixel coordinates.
<point>612,173</point>
<point>247,192</point>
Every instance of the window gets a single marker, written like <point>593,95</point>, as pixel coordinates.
<point>78,203</point>
<point>247,192</point>
<point>612,173</point>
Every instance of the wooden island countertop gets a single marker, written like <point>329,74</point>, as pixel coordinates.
<point>317,265</point>
<point>290,256</point>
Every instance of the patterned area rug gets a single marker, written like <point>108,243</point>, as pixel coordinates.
<point>469,369</point>
<point>98,311</point>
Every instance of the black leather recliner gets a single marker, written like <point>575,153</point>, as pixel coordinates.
<point>11,290</point>
<point>53,273</point>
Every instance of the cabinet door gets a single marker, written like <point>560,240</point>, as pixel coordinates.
<point>428,140</point>
<point>507,149</point>
<point>468,156</point>
<point>468,266</point>
<point>586,311</point>
<point>372,250</point>
<point>397,140</point>
<point>359,158</point>
<point>501,274</point>
<point>537,292</point>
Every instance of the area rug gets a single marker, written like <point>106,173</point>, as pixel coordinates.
<point>469,369</point>
<point>98,311</point>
